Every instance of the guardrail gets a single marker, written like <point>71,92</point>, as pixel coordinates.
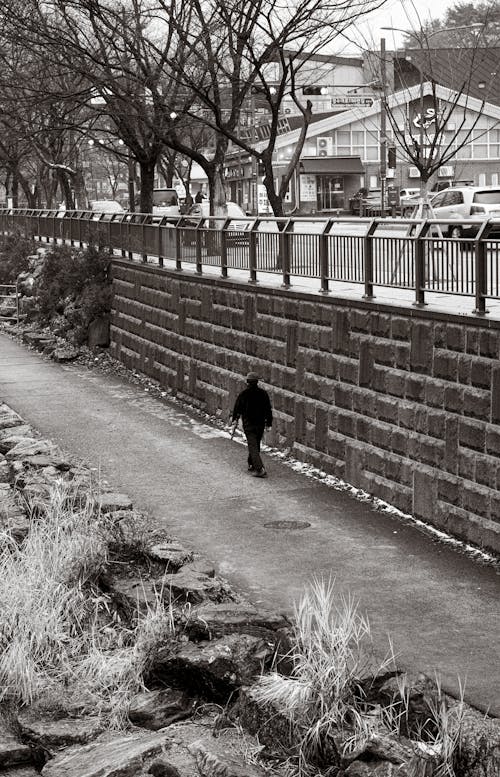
<point>401,253</point>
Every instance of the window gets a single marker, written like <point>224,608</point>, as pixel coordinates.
<point>452,198</point>
<point>488,197</point>
<point>438,200</point>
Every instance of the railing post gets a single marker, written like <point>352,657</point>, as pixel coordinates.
<point>143,231</point>
<point>223,248</point>
<point>324,273</point>
<point>420,264</point>
<point>159,231</point>
<point>284,243</point>
<point>368,259</point>
<point>178,254</point>
<point>252,251</point>
<point>480,269</point>
<point>199,267</point>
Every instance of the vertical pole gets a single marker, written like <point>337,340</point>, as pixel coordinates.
<point>254,159</point>
<point>383,128</point>
<point>480,267</point>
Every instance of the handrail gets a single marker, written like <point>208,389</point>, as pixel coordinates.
<point>404,253</point>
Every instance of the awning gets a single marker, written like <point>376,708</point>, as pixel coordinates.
<point>331,165</point>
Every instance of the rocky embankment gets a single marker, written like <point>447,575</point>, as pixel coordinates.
<point>197,713</point>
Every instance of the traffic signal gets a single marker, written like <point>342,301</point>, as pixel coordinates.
<point>391,157</point>
<point>315,89</point>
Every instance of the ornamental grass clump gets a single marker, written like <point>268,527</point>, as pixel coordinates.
<point>60,636</point>
<point>323,697</point>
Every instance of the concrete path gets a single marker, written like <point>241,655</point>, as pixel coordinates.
<point>439,607</point>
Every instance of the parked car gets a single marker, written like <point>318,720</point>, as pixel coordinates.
<point>466,202</point>
<point>166,202</point>
<point>106,206</point>
<point>239,224</point>
<point>408,200</point>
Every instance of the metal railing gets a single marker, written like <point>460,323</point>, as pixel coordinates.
<point>7,312</point>
<point>404,254</point>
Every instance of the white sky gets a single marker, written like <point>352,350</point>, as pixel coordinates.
<point>406,14</point>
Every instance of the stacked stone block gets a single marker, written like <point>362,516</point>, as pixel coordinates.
<point>401,403</point>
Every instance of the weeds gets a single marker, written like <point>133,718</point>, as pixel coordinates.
<point>323,697</point>
<point>58,634</point>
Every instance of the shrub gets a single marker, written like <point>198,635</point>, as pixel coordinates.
<point>76,284</point>
<point>14,252</point>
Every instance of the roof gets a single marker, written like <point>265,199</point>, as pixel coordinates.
<point>398,98</point>
<point>471,70</point>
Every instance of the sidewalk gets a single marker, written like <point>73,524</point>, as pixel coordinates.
<point>439,607</point>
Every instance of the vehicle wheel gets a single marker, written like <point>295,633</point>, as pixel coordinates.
<point>455,232</point>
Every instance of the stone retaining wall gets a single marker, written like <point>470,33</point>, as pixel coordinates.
<point>402,403</point>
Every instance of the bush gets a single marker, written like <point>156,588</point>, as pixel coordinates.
<point>14,252</point>
<point>76,284</point>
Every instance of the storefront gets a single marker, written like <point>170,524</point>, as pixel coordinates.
<point>327,184</point>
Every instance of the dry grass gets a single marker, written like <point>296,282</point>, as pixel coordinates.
<point>436,743</point>
<point>323,698</point>
<point>58,633</point>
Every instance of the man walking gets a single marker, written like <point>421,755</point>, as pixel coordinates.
<point>254,406</point>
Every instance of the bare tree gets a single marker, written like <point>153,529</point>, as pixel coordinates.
<point>437,109</point>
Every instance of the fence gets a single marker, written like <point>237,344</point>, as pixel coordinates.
<point>9,302</point>
<point>398,253</point>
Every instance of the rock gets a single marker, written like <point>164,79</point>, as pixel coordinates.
<point>20,771</point>
<point>13,518</point>
<point>479,754</point>
<point>50,734</point>
<point>37,340</point>
<point>213,761</point>
<point>8,418</point>
<point>98,332</point>
<point>65,353</point>
<point>4,469</point>
<point>157,709</point>
<point>12,750</point>
<point>265,721</point>
<point>10,441</point>
<point>31,448</point>
<point>193,587</point>
<point>110,502</point>
<point>162,768</point>
<point>385,748</point>
<point>118,756</point>
<point>214,669</point>
<point>23,430</point>
<point>374,769</point>
<point>40,460</point>
<point>171,554</point>
<point>210,620</point>
<point>200,566</point>
<point>132,594</point>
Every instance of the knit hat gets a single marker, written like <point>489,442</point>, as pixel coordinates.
<point>252,377</point>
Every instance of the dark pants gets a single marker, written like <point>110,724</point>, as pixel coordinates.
<point>254,436</point>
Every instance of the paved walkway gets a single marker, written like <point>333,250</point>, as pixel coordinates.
<point>439,607</point>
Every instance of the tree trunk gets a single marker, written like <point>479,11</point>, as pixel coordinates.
<point>147,182</point>
<point>15,188</point>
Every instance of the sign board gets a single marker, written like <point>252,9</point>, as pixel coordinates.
<point>352,101</point>
<point>308,191</point>
<point>393,196</point>
<point>262,200</point>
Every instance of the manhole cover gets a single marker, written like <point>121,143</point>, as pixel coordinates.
<point>287,525</point>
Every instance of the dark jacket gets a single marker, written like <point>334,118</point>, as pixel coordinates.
<point>254,406</point>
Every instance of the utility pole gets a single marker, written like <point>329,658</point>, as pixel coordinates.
<point>383,128</point>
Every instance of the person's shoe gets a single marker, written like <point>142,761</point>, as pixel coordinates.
<point>261,473</point>
<point>251,468</point>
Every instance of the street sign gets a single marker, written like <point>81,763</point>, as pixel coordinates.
<point>352,100</point>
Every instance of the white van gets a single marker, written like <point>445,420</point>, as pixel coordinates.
<point>166,202</point>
